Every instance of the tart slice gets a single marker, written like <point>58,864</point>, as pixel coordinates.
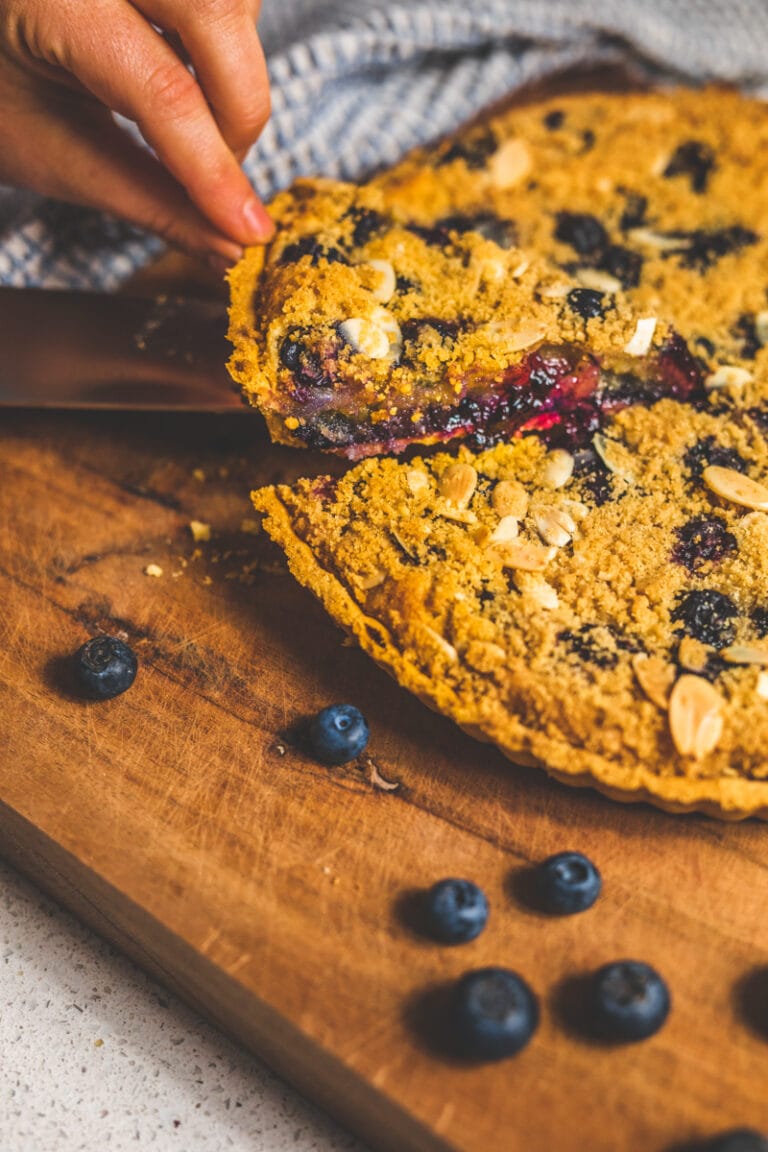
<point>602,613</point>
<point>515,277</point>
<point>361,332</point>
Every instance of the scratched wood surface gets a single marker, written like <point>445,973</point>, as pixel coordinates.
<point>275,893</point>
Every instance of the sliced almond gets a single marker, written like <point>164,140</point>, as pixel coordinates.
<point>510,163</point>
<point>458,483</point>
<point>485,656</point>
<point>693,655</point>
<point>657,240</point>
<point>762,685</point>
<point>524,554</point>
<point>729,376</point>
<point>536,588</point>
<point>558,467</point>
<point>417,481</point>
<point>555,526</point>
<point>656,677</point>
<point>577,509</point>
<point>695,716</point>
<point>761,327</point>
<point>381,279</point>
<point>614,455</point>
<point>372,580</point>
<point>506,529</point>
<point>556,290</point>
<point>446,648</point>
<point>377,336</point>
<point>512,335</point>
<point>745,654</point>
<point>642,337</point>
<point>736,488</point>
<point>510,498</point>
<point>598,281</point>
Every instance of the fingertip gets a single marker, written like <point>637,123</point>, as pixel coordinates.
<point>259,224</point>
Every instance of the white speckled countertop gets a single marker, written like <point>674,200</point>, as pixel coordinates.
<point>96,1055</point>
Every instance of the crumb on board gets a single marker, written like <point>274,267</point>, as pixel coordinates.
<point>250,527</point>
<point>200,530</point>
<point>153,570</point>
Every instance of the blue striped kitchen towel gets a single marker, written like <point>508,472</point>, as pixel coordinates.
<point>356,83</point>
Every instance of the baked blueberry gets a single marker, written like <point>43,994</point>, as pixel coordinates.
<point>567,882</point>
<point>703,540</point>
<point>474,149</point>
<point>456,911</point>
<point>693,159</point>
<point>583,232</point>
<point>554,119</point>
<point>737,1140</point>
<point>634,214</point>
<point>585,302</point>
<point>706,615</point>
<point>495,1013</point>
<point>104,667</point>
<point>490,226</point>
<point>630,1000</point>
<point>623,263</point>
<point>759,617</point>
<point>338,733</point>
<point>702,248</point>
<point>708,451</point>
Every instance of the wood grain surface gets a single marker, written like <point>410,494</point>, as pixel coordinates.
<point>276,894</point>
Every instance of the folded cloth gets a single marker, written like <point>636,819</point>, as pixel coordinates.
<point>356,83</point>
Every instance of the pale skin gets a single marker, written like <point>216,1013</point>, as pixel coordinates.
<point>67,65</point>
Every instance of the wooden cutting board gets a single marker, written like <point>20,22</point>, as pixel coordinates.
<point>275,894</point>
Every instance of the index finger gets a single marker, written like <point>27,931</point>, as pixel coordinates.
<point>123,61</point>
<point>222,42</point>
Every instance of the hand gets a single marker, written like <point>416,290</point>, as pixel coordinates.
<point>67,65</point>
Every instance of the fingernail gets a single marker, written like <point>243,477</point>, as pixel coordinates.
<point>258,221</point>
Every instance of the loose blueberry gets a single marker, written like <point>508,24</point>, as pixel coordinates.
<point>104,667</point>
<point>737,1140</point>
<point>706,615</point>
<point>339,733</point>
<point>495,1013</point>
<point>583,232</point>
<point>567,882</point>
<point>695,160</point>
<point>585,302</point>
<point>630,1000</point>
<point>702,541</point>
<point>456,911</point>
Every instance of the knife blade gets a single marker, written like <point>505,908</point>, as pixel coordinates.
<point>88,350</point>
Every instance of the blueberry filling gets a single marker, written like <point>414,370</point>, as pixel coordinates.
<point>305,364</point>
<point>695,160</point>
<point>706,615</point>
<point>702,541</point>
<point>366,223</point>
<point>708,451</point>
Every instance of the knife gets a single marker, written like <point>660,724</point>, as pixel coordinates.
<point>88,350</point>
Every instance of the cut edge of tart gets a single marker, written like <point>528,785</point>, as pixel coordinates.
<point>343,351</point>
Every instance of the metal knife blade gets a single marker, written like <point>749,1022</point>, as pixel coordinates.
<point>87,350</point>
